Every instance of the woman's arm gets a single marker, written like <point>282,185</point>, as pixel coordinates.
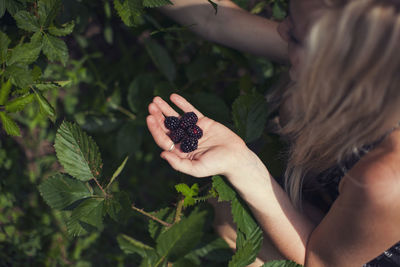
<point>231,26</point>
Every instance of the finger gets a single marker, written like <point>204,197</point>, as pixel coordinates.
<point>165,107</point>
<point>184,105</point>
<point>158,133</point>
<point>156,112</point>
<point>180,164</point>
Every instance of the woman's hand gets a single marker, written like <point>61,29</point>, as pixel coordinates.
<point>220,151</point>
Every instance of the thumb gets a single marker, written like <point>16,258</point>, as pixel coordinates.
<point>179,164</point>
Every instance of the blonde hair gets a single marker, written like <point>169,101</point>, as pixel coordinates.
<point>348,89</point>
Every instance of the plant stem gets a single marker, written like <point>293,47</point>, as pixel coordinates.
<point>98,184</point>
<point>178,213</point>
<point>154,218</point>
<point>127,112</point>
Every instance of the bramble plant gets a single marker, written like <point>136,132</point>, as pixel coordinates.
<point>100,64</point>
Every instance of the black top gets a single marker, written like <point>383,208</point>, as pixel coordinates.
<point>328,192</point>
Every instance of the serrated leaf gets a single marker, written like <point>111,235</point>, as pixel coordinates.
<point>248,252</point>
<point>47,11</point>
<point>129,11</point>
<point>19,75</point>
<point>216,250</point>
<point>250,115</point>
<point>55,49</point>
<point>161,58</point>
<point>118,207</point>
<point>156,3</point>
<point>224,190</point>
<point>26,53</point>
<point>118,171</point>
<point>4,42</point>
<point>27,21</point>
<point>130,245</point>
<point>77,152</point>
<point>13,6</point>
<point>281,263</point>
<point>242,217</point>
<point>87,216</point>
<point>182,237</point>
<point>60,191</point>
<point>64,30</point>
<point>188,193</point>
<point>9,125</point>
<point>45,107</point>
<point>278,12</point>
<point>18,104</point>
<point>5,91</point>
<point>165,214</point>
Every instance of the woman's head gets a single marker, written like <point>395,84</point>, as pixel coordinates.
<point>347,92</point>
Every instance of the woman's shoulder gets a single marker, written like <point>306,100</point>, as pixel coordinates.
<point>376,177</point>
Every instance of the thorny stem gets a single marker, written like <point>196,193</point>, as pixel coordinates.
<point>98,184</point>
<point>178,213</point>
<point>154,218</point>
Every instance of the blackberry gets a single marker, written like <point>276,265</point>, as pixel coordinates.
<point>194,131</point>
<point>171,123</point>
<point>189,144</point>
<point>177,135</point>
<point>188,119</point>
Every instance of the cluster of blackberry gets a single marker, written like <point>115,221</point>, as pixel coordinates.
<point>184,130</point>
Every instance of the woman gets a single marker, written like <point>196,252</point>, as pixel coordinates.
<point>344,109</point>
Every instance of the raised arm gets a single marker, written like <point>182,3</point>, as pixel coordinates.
<point>231,26</point>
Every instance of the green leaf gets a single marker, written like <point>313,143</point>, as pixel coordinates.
<point>188,192</point>
<point>9,125</point>
<point>224,190</point>
<point>77,152</point>
<point>20,76</point>
<point>47,11</point>
<point>4,42</point>
<point>278,11</point>
<point>243,217</point>
<point>5,91</point>
<point>60,191</point>
<point>87,216</point>
<point>55,49</point>
<point>216,250</point>
<point>26,53</point>
<point>250,116</point>
<point>156,3</point>
<point>18,104</point>
<point>65,29</point>
<point>281,263</point>
<point>45,106</point>
<point>165,214</point>
<point>118,171</point>
<point>2,7</point>
<point>118,207</point>
<point>27,21</point>
<point>129,11</point>
<point>182,237</point>
<point>130,245</point>
<point>246,254</point>
<point>161,58</point>
<point>13,6</point>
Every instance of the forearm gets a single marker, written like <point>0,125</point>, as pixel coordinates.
<point>287,228</point>
<point>231,26</point>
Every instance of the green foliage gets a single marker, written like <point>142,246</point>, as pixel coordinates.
<point>281,263</point>
<point>78,58</point>
<point>77,152</point>
<point>250,116</point>
<point>60,191</point>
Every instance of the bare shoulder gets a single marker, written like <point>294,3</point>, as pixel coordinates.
<point>375,179</point>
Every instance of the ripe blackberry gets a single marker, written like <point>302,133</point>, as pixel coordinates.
<point>188,119</point>
<point>171,123</point>
<point>189,144</point>
<point>194,131</point>
<point>177,135</point>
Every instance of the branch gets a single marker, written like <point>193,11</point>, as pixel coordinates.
<point>154,218</point>
<point>98,184</point>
